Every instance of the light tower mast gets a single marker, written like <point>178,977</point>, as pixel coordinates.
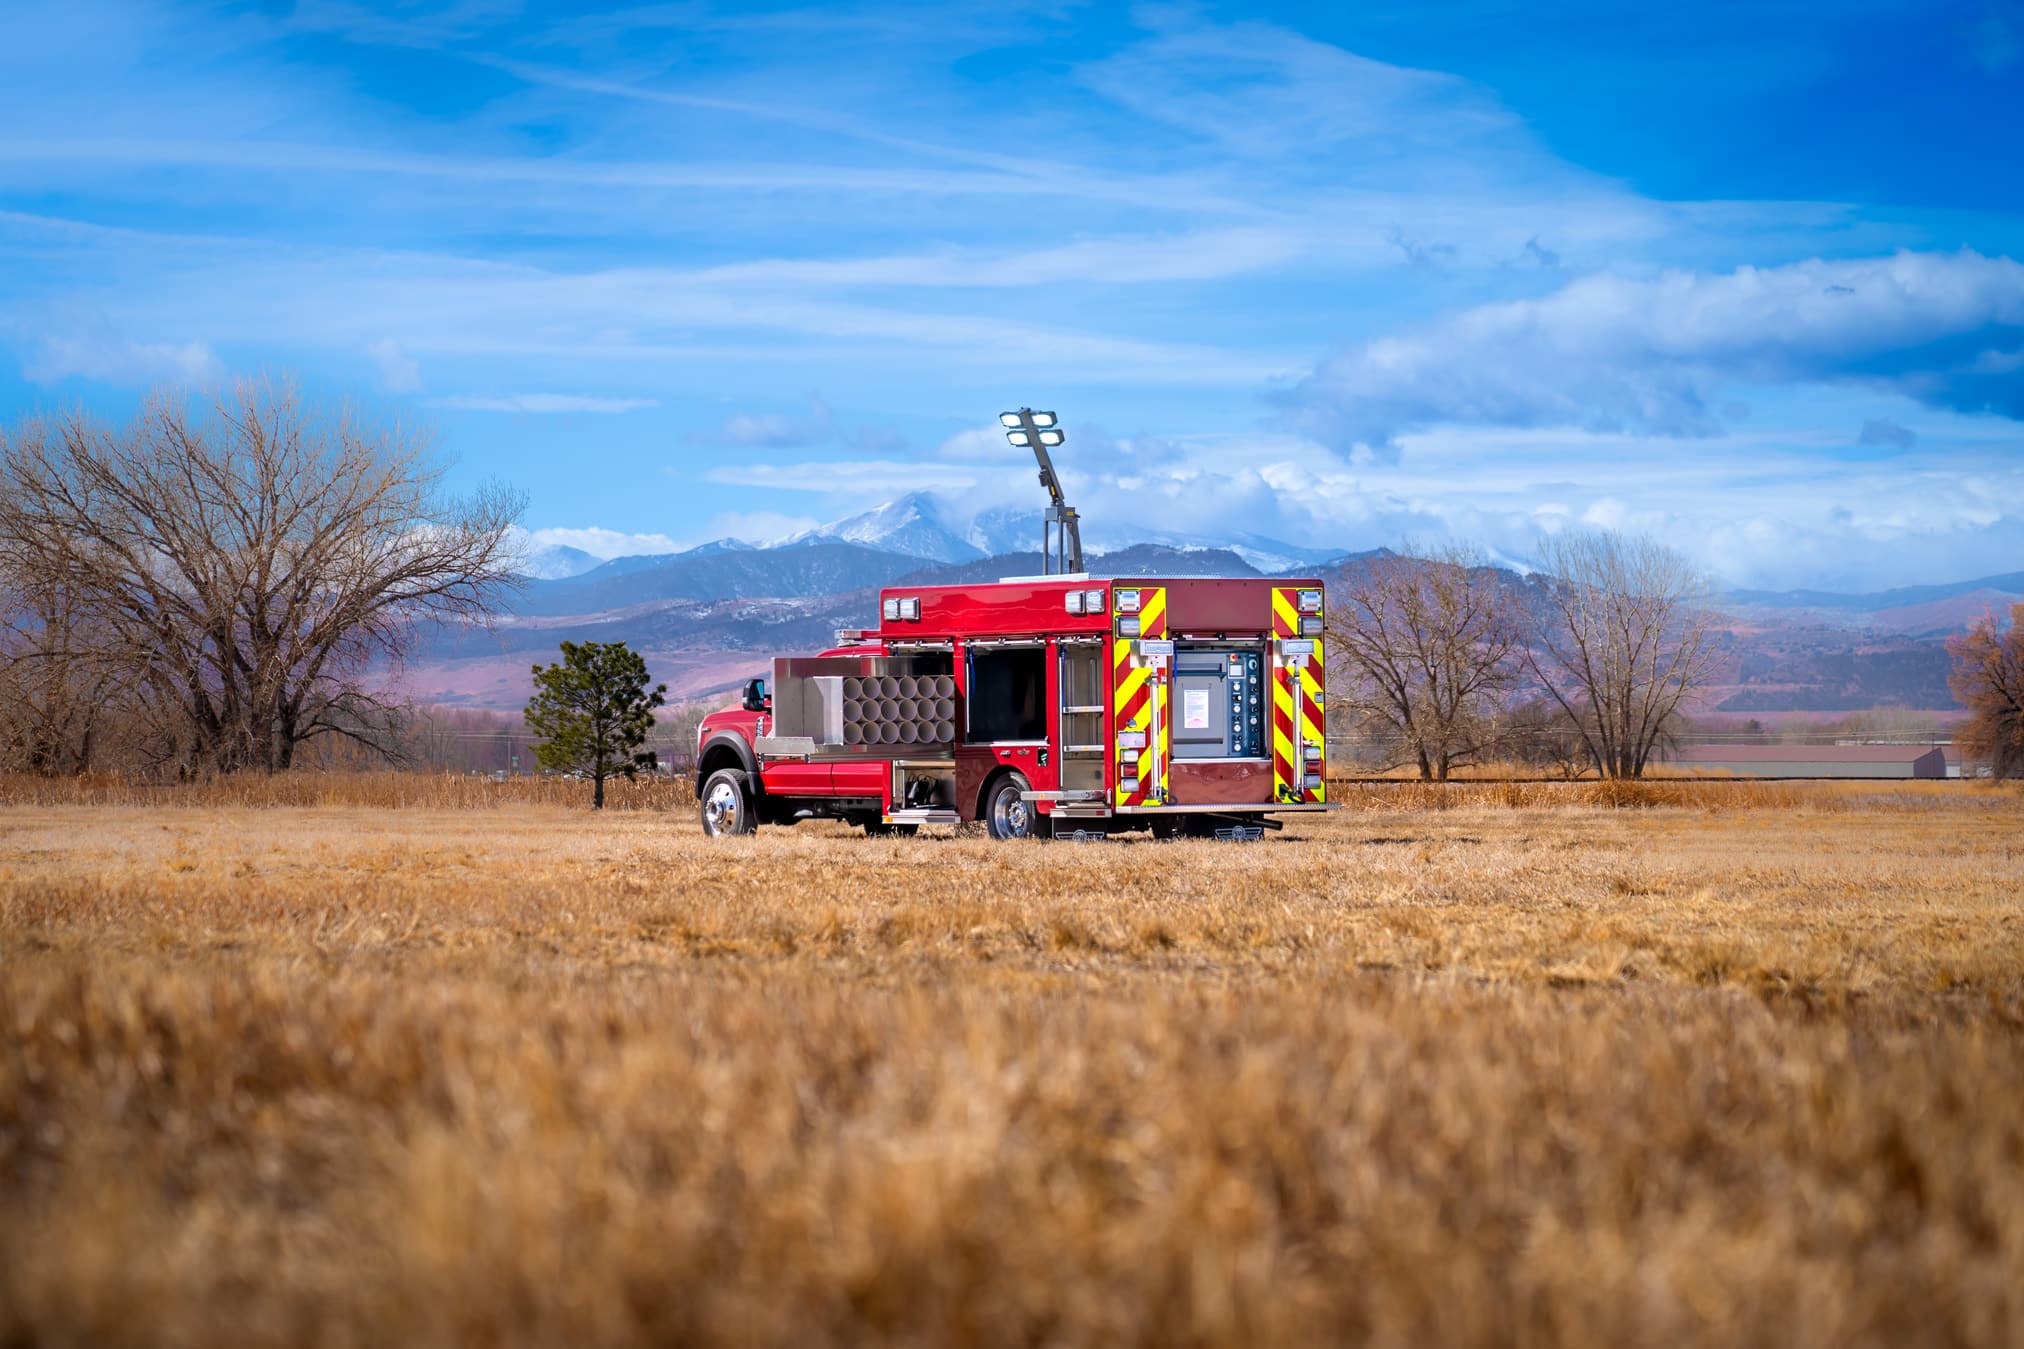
<point>1061,544</point>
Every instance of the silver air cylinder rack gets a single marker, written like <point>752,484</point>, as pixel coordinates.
<point>899,709</point>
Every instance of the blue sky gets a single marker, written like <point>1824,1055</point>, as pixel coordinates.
<point>1743,277</point>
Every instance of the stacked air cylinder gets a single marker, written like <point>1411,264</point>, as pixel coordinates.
<point>899,709</point>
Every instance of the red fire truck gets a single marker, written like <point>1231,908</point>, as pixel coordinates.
<point>1054,704</point>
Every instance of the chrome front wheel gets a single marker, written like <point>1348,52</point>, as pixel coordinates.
<point>725,807</point>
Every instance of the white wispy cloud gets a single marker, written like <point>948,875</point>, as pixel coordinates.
<point>772,430</point>
<point>855,476</point>
<point>1134,260</point>
<point>775,110</point>
<point>543,403</point>
<point>113,359</point>
<point>398,372</point>
<point>600,542</point>
<point>759,527</point>
<point>431,304</point>
<point>305,158</point>
<point>753,527</point>
<point>1266,93</point>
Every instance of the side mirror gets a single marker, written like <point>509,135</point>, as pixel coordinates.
<point>755,696</point>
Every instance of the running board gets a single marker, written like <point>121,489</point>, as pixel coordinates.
<point>922,816</point>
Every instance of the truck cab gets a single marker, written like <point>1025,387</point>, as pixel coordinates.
<point>1039,705</point>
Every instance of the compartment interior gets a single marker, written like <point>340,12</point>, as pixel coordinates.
<point>1008,694</point>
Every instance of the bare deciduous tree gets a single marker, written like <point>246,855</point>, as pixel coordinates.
<point>1538,734</point>
<point>1425,645</point>
<point>246,571</point>
<point>1988,678</point>
<point>1624,638</point>
<point>56,694</point>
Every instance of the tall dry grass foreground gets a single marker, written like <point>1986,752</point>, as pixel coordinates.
<point>1476,1065</point>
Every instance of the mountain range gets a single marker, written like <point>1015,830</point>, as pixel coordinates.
<point>708,617</point>
<point>921,525</point>
<point>1913,611</point>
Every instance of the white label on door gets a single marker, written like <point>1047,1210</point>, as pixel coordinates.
<point>1194,709</point>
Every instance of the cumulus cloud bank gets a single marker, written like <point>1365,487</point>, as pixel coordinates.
<point>1648,357</point>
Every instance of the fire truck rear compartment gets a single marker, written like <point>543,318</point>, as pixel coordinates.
<point>1217,719</point>
<point>1219,702</point>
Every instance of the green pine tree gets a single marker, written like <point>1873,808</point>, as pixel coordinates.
<point>593,710</point>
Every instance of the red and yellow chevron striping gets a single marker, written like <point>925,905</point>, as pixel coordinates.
<point>1140,722</point>
<point>1299,731</point>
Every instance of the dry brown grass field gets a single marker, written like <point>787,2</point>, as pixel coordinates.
<point>371,1061</point>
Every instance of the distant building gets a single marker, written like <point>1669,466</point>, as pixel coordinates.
<point>1957,767</point>
<point>1816,761</point>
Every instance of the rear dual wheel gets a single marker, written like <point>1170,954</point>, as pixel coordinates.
<point>1006,812</point>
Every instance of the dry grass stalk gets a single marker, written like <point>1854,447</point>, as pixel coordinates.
<point>371,790</point>
<point>1731,1070</point>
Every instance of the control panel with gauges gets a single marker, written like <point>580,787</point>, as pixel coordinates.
<point>1219,704</point>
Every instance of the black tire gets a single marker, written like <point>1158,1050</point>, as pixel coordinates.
<point>725,804</point>
<point>880,829</point>
<point>1005,815</point>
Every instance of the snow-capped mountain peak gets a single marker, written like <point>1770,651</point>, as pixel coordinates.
<point>557,562</point>
<point>925,526</point>
<point>916,525</point>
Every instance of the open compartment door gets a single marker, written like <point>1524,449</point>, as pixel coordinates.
<point>855,707</point>
<point>1141,723</point>
<point>1299,732</point>
<point>1221,705</point>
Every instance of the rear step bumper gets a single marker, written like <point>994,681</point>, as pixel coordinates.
<point>1099,811</point>
<point>1084,804</point>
